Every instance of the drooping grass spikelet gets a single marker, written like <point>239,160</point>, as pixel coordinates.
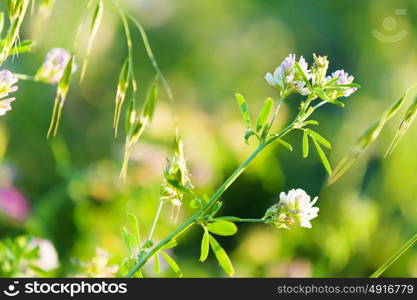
<point>16,11</point>
<point>365,140</point>
<point>62,91</point>
<point>122,86</point>
<point>135,125</point>
<point>404,126</point>
<point>95,24</point>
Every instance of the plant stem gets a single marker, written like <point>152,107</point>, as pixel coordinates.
<point>214,198</point>
<point>393,258</point>
<point>25,77</point>
<point>155,221</point>
<point>240,220</point>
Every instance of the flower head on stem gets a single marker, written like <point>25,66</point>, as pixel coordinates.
<point>294,207</point>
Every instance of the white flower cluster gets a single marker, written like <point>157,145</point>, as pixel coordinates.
<point>54,65</point>
<point>296,77</point>
<point>295,206</point>
<point>7,86</point>
<point>287,78</point>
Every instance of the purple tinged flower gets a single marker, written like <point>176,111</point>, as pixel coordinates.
<point>54,65</point>
<point>286,77</point>
<point>7,81</point>
<point>13,204</point>
<point>343,78</point>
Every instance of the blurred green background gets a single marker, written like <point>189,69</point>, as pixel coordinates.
<point>209,50</point>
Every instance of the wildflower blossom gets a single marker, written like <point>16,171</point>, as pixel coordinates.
<point>342,78</point>
<point>48,257</point>
<point>54,65</point>
<point>7,81</point>
<point>319,69</point>
<point>287,78</point>
<point>295,206</point>
<point>13,204</point>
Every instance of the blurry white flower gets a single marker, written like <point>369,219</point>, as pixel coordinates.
<point>48,257</point>
<point>295,206</point>
<point>7,81</point>
<point>287,78</point>
<point>54,65</point>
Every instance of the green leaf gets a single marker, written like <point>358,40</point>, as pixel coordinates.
<point>311,122</point>
<point>323,157</point>
<point>243,109</point>
<point>248,134</point>
<point>173,265</point>
<point>285,144</point>
<point>22,47</point>
<point>305,144</point>
<point>171,244</point>
<point>264,114</point>
<point>319,138</point>
<point>221,256</point>
<point>221,227</point>
<point>205,243</point>
<point>129,240</point>
<point>157,266</point>
<point>216,207</point>
<point>196,203</point>
<point>322,94</point>
<point>303,75</point>
<point>135,225</point>
<point>348,85</point>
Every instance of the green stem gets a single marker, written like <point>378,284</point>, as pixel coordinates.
<point>25,77</point>
<point>214,198</point>
<point>393,258</point>
<point>155,221</point>
<point>240,220</point>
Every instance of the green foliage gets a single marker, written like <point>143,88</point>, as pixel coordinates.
<point>205,245</point>
<point>222,257</point>
<point>244,110</point>
<point>221,227</point>
<point>173,265</point>
<point>19,257</point>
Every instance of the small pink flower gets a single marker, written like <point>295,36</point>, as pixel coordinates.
<point>13,204</point>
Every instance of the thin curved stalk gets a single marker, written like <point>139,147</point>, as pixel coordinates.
<point>394,257</point>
